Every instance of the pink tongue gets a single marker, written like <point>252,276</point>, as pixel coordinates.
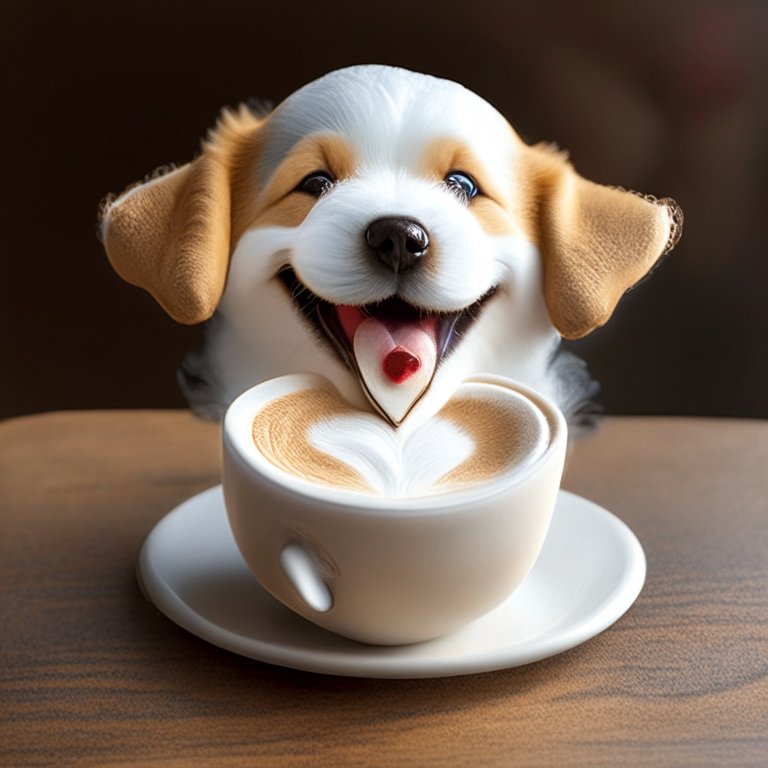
<point>405,339</point>
<point>350,318</point>
<point>396,358</point>
<point>401,346</point>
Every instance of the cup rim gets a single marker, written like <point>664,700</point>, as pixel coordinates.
<point>238,439</point>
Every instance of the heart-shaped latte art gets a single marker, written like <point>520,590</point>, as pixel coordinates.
<point>482,432</point>
<point>396,362</point>
<point>393,464</point>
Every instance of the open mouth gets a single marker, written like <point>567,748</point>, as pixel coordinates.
<point>394,347</point>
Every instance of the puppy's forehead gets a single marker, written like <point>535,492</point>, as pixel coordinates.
<point>389,116</point>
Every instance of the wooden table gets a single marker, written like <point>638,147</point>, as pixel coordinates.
<point>94,675</point>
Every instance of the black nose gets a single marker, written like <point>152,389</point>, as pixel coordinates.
<point>398,242</point>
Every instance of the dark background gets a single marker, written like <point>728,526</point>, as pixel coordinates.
<point>665,97</point>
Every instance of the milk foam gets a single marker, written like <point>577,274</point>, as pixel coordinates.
<point>484,432</point>
<point>391,462</point>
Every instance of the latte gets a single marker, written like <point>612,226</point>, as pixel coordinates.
<point>387,535</point>
<point>484,432</point>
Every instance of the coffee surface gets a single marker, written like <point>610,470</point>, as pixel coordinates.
<point>504,434</point>
<point>281,429</point>
<point>483,432</point>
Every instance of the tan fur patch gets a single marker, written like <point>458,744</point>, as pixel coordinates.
<point>277,206</point>
<point>289,211</point>
<point>596,242</point>
<point>492,217</point>
<point>171,236</point>
<point>491,208</point>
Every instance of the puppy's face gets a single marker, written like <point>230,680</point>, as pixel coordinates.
<point>389,230</point>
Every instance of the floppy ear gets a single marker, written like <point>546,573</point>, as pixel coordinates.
<point>171,235</point>
<point>596,241</point>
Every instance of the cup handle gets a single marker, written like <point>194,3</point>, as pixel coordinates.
<point>300,568</point>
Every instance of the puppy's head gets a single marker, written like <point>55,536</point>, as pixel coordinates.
<point>386,229</point>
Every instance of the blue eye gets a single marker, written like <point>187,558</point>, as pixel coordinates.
<point>463,183</point>
<point>316,184</point>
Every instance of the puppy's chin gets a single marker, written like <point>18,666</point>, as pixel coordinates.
<point>394,348</point>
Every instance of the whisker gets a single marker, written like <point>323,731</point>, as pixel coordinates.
<point>301,289</point>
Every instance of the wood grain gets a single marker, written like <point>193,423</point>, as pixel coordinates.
<point>93,675</point>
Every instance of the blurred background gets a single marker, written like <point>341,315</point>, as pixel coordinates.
<point>664,97</point>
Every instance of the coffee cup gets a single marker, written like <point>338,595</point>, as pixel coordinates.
<point>391,536</point>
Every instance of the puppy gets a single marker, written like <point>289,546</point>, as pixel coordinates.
<point>390,231</point>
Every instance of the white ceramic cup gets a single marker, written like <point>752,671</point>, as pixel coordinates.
<point>380,570</point>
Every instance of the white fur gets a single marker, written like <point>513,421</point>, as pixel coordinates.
<point>388,116</point>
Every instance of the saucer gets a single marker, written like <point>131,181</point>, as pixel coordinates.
<point>590,570</point>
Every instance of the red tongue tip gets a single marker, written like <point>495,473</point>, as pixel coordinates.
<point>399,364</point>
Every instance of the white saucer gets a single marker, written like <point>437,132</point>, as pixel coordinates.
<point>589,572</point>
